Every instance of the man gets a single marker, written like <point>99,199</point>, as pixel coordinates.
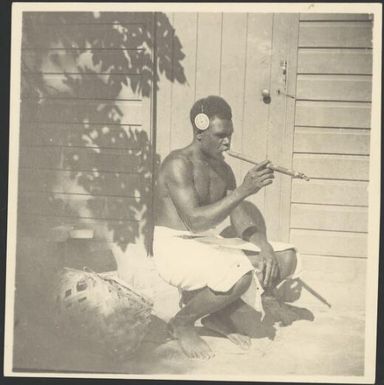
<point>196,192</point>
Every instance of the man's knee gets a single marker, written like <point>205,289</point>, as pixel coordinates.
<point>287,260</point>
<point>243,283</point>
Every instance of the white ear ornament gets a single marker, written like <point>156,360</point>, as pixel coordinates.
<point>202,121</point>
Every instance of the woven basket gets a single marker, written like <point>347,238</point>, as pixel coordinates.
<point>102,312</point>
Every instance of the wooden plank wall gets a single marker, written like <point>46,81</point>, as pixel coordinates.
<point>332,133</point>
<point>85,143</point>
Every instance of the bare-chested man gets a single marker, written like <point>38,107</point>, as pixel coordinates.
<point>197,191</point>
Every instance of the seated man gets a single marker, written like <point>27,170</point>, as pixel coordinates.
<point>196,191</point>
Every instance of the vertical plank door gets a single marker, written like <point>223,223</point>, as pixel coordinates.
<point>266,125</point>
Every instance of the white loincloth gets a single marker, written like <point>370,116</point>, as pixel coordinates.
<point>191,261</point>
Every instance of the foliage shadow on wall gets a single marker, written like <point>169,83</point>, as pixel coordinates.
<point>87,82</point>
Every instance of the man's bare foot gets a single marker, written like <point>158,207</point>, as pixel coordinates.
<point>218,325</point>
<point>190,342</point>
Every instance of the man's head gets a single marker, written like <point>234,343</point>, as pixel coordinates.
<point>216,138</point>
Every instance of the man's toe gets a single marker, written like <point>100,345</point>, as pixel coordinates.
<point>245,344</point>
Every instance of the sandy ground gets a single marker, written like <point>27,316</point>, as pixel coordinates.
<point>331,344</point>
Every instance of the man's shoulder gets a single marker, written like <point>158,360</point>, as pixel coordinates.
<point>179,156</point>
<point>177,161</point>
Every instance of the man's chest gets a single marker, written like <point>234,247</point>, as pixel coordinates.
<point>210,182</point>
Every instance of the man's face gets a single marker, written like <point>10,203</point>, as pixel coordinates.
<point>217,138</point>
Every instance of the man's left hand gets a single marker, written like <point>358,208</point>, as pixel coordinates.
<point>266,260</point>
<point>268,265</point>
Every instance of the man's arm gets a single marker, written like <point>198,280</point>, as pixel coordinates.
<point>249,224</point>
<point>179,180</point>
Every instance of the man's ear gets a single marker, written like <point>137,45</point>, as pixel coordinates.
<point>199,135</point>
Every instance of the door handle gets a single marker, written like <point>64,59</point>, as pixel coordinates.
<point>266,95</point>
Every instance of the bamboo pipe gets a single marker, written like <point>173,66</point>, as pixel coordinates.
<point>314,292</point>
<point>283,170</point>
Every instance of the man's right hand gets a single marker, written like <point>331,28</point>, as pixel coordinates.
<point>257,177</point>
